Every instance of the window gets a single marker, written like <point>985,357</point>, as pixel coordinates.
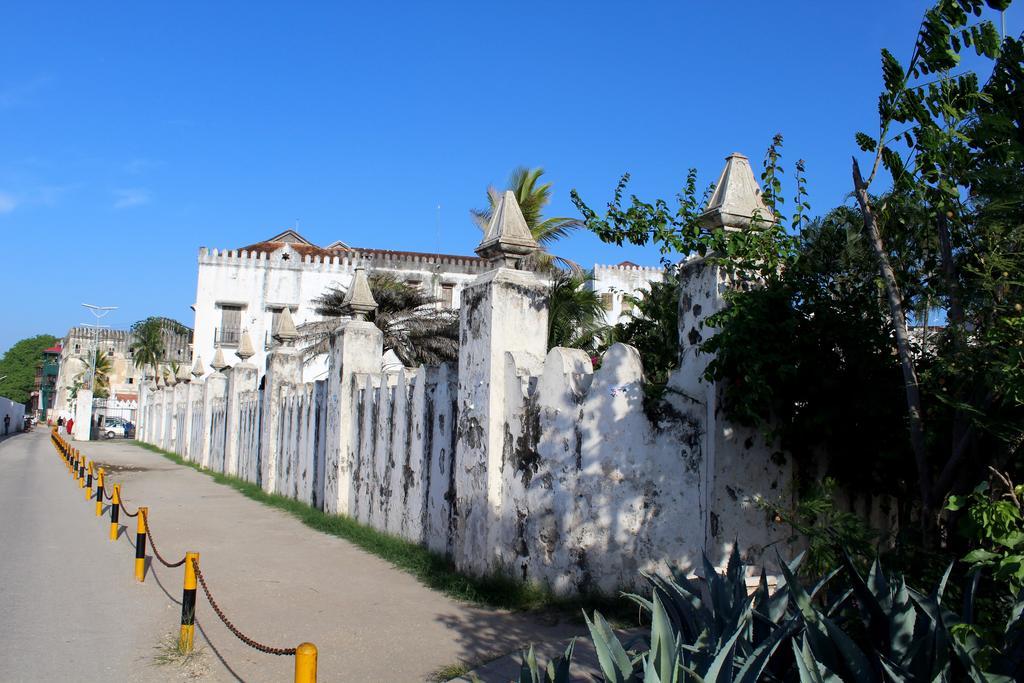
<point>230,325</point>
<point>607,300</point>
<point>447,295</point>
<point>415,284</point>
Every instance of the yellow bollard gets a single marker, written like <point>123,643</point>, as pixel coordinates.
<point>140,545</point>
<point>88,482</point>
<point>81,474</point>
<point>99,493</point>
<point>115,509</point>
<point>188,606</point>
<point>305,663</point>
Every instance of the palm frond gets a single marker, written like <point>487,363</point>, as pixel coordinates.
<point>413,324</point>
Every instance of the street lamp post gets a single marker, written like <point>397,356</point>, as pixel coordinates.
<point>98,312</point>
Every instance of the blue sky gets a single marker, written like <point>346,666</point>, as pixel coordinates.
<point>133,133</point>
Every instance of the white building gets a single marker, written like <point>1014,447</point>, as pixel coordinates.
<point>124,375</point>
<point>245,289</point>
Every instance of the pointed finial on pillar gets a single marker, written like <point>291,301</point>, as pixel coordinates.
<point>245,350</point>
<point>218,363</point>
<point>182,376</point>
<point>285,331</point>
<point>359,301</point>
<point>736,201</point>
<point>160,380</point>
<point>197,368</point>
<point>508,239</point>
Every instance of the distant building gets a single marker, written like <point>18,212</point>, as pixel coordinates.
<point>124,376</point>
<point>44,392</point>
<point>246,289</point>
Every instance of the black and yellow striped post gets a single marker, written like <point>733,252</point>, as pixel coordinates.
<point>72,461</point>
<point>140,545</point>
<point>188,605</point>
<point>99,493</point>
<point>115,509</point>
<point>305,663</point>
<point>88,482</point>
<point>81,473</point>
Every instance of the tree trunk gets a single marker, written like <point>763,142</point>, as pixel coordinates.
<point>899,323</point>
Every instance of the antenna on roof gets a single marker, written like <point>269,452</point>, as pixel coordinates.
<point>437,261</point>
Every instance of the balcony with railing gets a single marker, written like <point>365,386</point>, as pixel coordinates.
<point>226,336</point>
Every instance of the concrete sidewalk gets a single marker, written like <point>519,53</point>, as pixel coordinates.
<point>279,581</point>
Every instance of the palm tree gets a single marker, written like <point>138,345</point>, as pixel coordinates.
<point>533,197</point>
<point>101,377</point>
<point>576,317</point>
<point>148,344</point>
<point>415,328</point>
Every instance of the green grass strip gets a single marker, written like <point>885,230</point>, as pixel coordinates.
<point>432,569</point>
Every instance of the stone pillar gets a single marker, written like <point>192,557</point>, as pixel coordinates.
<point>738,465</point>
<point>503,311</point>
<point>181,412</point>
<point>214,387</point>
<point>140,415</point>
<point>167,443</point>
<point>195,393</point>
<point>284,367</point>
<point>356,349</point>
<point>83,414</point>
<point>244,378</point>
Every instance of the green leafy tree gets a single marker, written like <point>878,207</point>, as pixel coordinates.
<point>18,366</point>
<point>415,326</point>
<point>994,525</point>
<point>101,378</point>
<point>533,196</point>
<point>149,341</point>
<point>650,323</point>
<point>942,136</point>
<point>576,316</point>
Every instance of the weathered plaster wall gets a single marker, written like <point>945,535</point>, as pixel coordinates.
<point>521,461</point>
<point>16,411</point>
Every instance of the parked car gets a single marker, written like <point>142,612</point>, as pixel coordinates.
<point>113,426</point>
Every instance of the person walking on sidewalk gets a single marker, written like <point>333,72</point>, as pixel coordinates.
<point>69,425</point>
<point>7,424</point>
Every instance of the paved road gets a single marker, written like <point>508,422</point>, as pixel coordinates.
<point>70,608</point>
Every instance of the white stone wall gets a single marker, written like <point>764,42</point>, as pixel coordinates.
<point>521,460</point>
<point>16,411</point>
<point>260,282</point>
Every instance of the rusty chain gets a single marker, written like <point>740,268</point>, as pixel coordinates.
<point>149,535</point>
<point>202,582</point>
<point>231,627</point>
<point>125,511</point>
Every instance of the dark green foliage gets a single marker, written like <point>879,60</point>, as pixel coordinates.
<point>19,365</point>
<point>149,341</point>
<point>650,323</point>
<point>575,313</point>
<point>557,670</point>
<point>415,327</point>
<point>808,357</point>
<point>994,524</point>
<point>825,527</point>
<point>847,626</point>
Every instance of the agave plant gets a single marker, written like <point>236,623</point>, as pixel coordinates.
<point>862,629</point>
